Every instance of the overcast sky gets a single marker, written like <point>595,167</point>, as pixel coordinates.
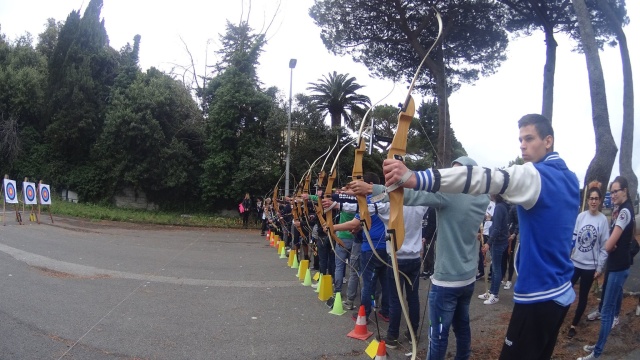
<point>483,115</point>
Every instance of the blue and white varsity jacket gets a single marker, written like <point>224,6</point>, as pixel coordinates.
<point>547,195</point>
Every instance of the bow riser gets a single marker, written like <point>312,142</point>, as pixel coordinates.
<point>396,197</point>
<point>358,174</point>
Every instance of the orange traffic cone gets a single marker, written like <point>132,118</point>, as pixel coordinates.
<point>360,331</point>
<point>268,234</point>
<point>382,351</point>
<point>271,239</point>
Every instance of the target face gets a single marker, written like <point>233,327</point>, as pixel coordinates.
<point>30,194</point>
<point>11,191</point>
<point>45,194</point>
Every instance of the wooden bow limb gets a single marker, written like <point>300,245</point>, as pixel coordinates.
<point>328,219</point>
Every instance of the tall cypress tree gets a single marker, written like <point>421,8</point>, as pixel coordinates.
<point>81,73</point>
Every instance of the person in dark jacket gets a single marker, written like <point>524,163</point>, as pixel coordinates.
<point>429,241</point>
<point>246,210</point>
<point>498,243</point>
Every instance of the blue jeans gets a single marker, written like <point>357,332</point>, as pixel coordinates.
<point>343,254</point>
<point>326,256</point>
<point>611,306</point>
<point>449,307</point>
<point>354,274</point>
<point>497,250</point>
<point>411,267</point>
<point>373,270</point>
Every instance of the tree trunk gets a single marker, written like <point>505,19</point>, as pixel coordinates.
<point>606,149</point>
<point>336,120</point>
<point>626,141</point>
<point>550,65</point>
<point>444,122</point>
<point>549,75</point>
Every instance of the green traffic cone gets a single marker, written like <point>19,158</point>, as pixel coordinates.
<point>307,278</point>
<point>295,261</point>
<point>337,305</point>
<point>283,253</point>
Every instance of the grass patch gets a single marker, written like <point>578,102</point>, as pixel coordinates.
<point>100,212</point>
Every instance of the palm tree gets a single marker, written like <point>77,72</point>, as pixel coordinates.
<point>336,94</point>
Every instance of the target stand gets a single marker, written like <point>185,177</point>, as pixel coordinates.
<point>29,196</point>
<point>44,197</point>
<point>11,197</point>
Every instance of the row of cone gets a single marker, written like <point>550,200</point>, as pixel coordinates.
<point>325,291</point>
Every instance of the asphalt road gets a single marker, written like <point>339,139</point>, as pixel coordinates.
<point>78,290</point>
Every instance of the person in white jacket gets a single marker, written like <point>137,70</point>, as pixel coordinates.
<point>588,256</point>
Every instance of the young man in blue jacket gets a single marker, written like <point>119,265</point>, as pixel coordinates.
<point>547,195</point>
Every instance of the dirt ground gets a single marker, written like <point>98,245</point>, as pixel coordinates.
<point>622,340</point>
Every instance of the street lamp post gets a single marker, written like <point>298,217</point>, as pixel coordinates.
<point>292,65</point>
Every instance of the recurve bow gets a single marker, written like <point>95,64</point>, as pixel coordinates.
<point>397,151</point>
<point>327,195</point>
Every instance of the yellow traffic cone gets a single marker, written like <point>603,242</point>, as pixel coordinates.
<point>280,246</point>
<point>326,288</point>
<point>304,266</point>
<point>292,255</point>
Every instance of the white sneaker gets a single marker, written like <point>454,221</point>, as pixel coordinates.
<point>589,348</point>
<point>507,285</point>
<point>638,310</point>
<point>484,296</point>
<point>591,355</point>
<point>595,315</point>
<point>314,286</point>
<point>492,300</point>
<point>616,321</point>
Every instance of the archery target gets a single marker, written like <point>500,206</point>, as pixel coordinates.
<point>45,194</point>
<point>10,191</point>
<point>29,190</point>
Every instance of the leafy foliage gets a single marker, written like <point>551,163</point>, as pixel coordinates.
<point>235,123</point>
<point>380,34</point>
<point>142,144</point>
<point>391,38</point>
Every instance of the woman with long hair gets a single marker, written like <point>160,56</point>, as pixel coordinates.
<point>618,246</point>
<point>588,256</point>
<point>246,210</point>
